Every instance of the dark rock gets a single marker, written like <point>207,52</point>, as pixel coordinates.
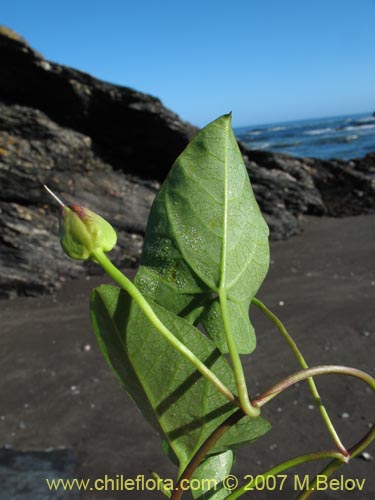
<point>36,151</point>
<point>284,189</point>
<point>287,187</point>
<point>107,147</point>
<point>131,130</point>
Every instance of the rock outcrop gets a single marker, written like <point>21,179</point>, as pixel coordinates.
<point>108,147</point>
<point>287,187</point>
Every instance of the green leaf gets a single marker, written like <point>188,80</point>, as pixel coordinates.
<point>206,233</point>
<point>181,405</point>
<point>243,432</point>
<point>210,475</point>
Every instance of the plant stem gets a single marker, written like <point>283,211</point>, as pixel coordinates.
<point>243,394</point>
<point>204,449</point>
<point>288,464</point>
<point>322,370</point>
<point>298,354</point>
<point>335,464</point>
<point>139,299</point>
<point>312,372</point>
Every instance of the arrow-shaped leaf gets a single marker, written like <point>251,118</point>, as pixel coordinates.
<point>206,233</point>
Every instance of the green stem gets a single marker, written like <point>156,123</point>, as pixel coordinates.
<point>293,346</point>
<point>138,298</point>
<point>292,462</point>
<point>243,394</point>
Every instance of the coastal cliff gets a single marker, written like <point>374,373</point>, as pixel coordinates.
<point>108,148</point>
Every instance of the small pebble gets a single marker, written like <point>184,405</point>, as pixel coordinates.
<point>273,446</point>
<point>344,415</point>
<point>74,390</point>
<point>26,405</point>
<point>22,425</point>
<point>279,410</point>
<point>281,303</point>
<point>365,333</point>
<point>311,407</point>
<point>2,417</point>
<point>366,456</point>
<point>92,405</point>
<point>295,402</point>
<point>87,347</point>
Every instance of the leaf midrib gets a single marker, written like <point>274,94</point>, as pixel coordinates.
<point>225,212</point>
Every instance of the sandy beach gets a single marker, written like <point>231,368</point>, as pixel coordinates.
<point>58,392</point>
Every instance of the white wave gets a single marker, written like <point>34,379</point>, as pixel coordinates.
<point>262,145</point>
<point>276,129</point>
<point>370,119</point>
<point>366,126</point>
<point>351,138</point>
<point>319,131</point>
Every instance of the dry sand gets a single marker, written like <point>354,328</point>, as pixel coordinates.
<point>57,391</point>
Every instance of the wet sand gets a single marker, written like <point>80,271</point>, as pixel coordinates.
<point>57,391</point>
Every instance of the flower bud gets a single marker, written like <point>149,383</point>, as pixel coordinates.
<point>83,232</point>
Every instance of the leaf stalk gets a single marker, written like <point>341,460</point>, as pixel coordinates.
<point>243,394</point>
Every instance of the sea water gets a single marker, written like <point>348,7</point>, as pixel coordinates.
<point>342,137</point>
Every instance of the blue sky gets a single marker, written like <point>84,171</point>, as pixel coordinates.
<point>264,60</point>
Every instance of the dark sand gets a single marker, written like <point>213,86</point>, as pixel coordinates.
<point>56,394</point>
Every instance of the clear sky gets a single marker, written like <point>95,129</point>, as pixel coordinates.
<point>264,60</point>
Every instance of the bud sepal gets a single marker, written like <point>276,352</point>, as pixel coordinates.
<point>84,233</point>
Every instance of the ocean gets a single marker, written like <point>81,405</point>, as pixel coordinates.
<point>342,137</point>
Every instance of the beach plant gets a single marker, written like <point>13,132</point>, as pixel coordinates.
<point>174,336</point>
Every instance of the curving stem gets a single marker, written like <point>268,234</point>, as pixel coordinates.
<point>339,458</point>
<point>288,464</point>
<point>300,358</point>
<point>312,372</point>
